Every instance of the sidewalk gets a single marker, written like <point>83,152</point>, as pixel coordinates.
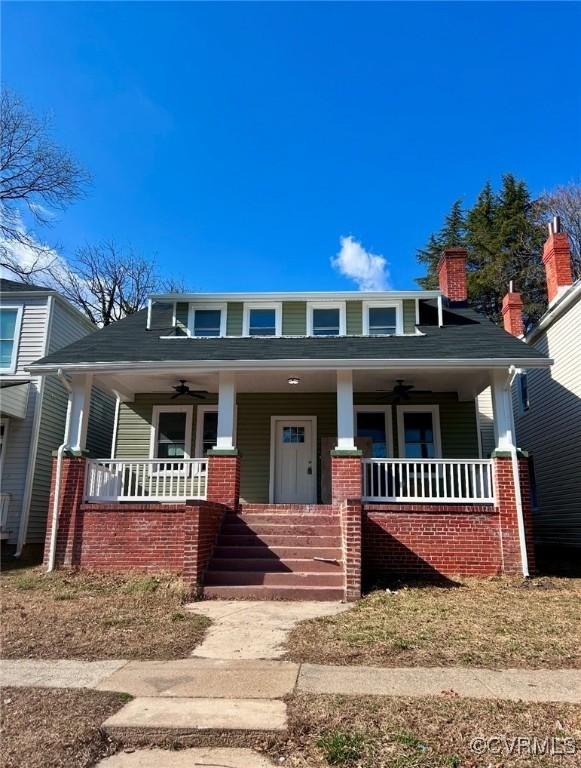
<point>270,680</point>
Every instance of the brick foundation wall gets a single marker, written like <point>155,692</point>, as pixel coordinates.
<point>125,536</point>
<point>430,540</point>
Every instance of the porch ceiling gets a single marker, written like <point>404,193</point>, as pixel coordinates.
<point>467,383</point>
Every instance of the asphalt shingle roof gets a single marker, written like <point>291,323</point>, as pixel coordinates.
<point>11,286</point>
<point>465,335</point>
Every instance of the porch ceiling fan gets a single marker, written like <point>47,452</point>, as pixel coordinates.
<point>183,389</point>
<point>402,391</point>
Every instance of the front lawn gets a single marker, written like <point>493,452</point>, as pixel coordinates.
<point>89,615</point>
<point>360,732</point>
<point>46,728</point>
<point>481,623</point>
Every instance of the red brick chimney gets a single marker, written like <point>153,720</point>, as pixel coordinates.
<point>512,313</point>
<point>557,261</point>
<point>452,274</point>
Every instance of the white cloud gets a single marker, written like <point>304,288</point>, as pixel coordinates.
<point>22,254</point>
<point>368,270</point>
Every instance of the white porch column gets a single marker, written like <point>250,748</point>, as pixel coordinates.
<point>226,411</point>
<point>502,409</point>
<point>345,431</point>
<point>78,411</point>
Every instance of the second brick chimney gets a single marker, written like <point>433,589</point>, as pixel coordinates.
<point>557,261</point>
<point>452,274</point>
<point>512,313</point>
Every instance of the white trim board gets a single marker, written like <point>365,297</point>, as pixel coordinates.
<point>435,411</point>
<point>314,442</point>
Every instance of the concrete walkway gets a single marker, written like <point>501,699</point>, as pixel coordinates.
<point>213,757</point>
<point>270,680</point>
<point>254,629</point>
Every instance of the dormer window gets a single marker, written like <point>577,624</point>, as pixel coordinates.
<point>208,320</point>
<point>262,319</point>
<point>382,319</point>
<point>326,319</point>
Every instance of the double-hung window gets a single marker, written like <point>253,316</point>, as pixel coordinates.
<point>418,429</point>
<point>326,320</point>
<point>262,320</point>
<point>523,391</point>
<point>10,320</point>
<point>172,432</point>
<point>382,319</point>
<point>374,423</point>
<point>208,320</point>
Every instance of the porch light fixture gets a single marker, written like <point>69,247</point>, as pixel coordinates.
<point>294,380</point>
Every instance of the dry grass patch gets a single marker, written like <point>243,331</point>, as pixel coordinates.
<point>484,623</point>
<point>90,615</point>
<point>46,728</point>
<point>374,732</point>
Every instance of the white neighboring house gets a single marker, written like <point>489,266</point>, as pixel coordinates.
<point>547,409</point>
<point>35,321</point>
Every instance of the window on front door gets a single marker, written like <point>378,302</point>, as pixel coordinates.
<point>419,438</point>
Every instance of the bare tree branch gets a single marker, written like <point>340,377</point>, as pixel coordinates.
<point>565,202</point>
<point>37,177</point>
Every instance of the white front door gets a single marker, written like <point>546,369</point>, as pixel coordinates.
<point>295,480</point>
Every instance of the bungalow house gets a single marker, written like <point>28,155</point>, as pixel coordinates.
<point>547,407</point>
<point>35,321</point>
<point>286,445</point>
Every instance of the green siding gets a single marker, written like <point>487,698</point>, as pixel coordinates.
<point>182,317</point>
<point>409,316</point>
<point>234,318</point>
<point>457,423</point>
<point>294,318</point>
<point>354,318</point>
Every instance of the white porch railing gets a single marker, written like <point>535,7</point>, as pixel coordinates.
<point>428,480</point>
<point>145,480</point>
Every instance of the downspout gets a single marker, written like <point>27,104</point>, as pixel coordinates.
<point>517,492</point>
<point>57,480</point>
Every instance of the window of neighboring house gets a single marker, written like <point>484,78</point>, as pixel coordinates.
<point>382,319</point>
<point>523,390</point>
<point>10,319</point>
<point>326,320</point>
<point>374,423</point>
<point>262,320</point>
<point>172,432</point>
<point>419,432</point>
<point>209,321</point>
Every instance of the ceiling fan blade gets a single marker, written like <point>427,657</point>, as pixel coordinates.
<point>196,395</point>
<point>423,392</point>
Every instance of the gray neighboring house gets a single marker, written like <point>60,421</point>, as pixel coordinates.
<point>35,321</point>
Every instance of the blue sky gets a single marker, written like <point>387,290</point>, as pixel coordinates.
<point>237,143</point>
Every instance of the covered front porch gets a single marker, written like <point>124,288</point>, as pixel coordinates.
<point>419,442</point>
<point>293,483</point>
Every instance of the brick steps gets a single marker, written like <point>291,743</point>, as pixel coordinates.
<point>273,579</point>
<point>274,565</point>
<point>269,552</point>
<point>256,592</point>
<point>266,529</point>
<point>261,551</point>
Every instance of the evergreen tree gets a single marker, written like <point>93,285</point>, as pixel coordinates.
<point>503,235</point>
<point>452,234</point>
